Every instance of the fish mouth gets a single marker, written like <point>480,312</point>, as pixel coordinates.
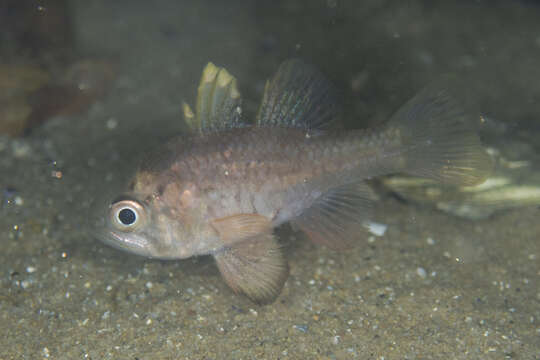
<point>143,241</point>
<point>131,242</point>
<point>102,229</point>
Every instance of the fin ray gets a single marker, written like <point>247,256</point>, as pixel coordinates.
<point>298,96</point>
<point>218,105</point>
<point>439,140</point>
<point>236,228</point>
<point>255,267</point>
<point>335,217</point>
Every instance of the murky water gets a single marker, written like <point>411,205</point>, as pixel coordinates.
<point>433,286</point>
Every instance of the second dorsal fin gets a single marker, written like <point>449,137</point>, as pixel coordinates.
<point>218,102</point>
<point>298,96</point>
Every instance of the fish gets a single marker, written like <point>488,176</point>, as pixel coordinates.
<point>222,189</point>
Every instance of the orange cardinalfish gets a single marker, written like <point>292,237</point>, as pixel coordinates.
<point>222,190</point>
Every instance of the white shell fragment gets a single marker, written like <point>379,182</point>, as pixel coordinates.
<point>376,229</point>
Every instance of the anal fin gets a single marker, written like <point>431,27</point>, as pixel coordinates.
<point>336,218</point>
<point>255,267</point>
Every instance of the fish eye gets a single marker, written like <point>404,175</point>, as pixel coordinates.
<point>127,214</point>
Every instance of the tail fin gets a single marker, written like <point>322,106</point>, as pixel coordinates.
<point>440,141</point>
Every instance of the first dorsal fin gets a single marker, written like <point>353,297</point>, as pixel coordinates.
<point>298,96</point>
<point>218,102</point>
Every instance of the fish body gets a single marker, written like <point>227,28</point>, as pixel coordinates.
<point>221,190</point>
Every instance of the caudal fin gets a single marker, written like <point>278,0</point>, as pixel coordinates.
<point>439,140</point>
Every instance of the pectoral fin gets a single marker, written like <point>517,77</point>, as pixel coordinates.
<point>237,228</point>
<point>255,267</point>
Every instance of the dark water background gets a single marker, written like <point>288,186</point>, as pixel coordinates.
<point>433,287</point>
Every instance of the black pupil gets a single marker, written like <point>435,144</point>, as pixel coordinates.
<point>127,216</point>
